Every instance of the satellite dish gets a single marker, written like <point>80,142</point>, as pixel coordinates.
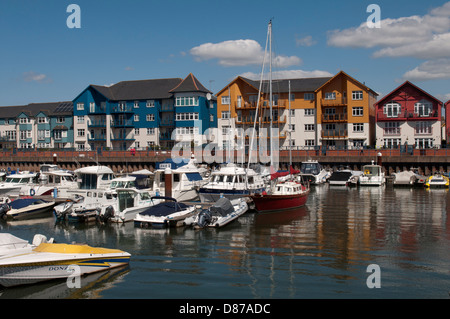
<point>208,96</point>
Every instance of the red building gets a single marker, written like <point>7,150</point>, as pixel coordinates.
<point>408,116</point>
<point>447,122</point>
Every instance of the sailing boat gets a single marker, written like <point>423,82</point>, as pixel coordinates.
<point>286,194</point>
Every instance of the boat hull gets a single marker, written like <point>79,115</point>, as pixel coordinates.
<point>208,195</point>
<point>272,203</point>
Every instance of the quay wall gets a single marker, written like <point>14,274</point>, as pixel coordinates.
<point>426,160</point>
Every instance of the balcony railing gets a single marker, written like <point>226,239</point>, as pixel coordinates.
<point>342,117</point>
<point>335,134</point>
<point>406,115</point>
<point>334,102</point>
<point>122,123</point>
<point>97,123</point>
<point>392,131</point>
<point>122,109</point>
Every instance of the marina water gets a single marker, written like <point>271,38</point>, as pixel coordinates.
<point>323,250</point>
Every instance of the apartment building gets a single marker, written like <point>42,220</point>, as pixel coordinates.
<point>333,111</point>
<point>408,116</point>
<point>141,114</point>
<point>37,126</point>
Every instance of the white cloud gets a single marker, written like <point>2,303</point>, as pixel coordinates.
<point>305,41</point>
<point>430,70</point>
<point>239,53</point>
<point>32,76</point>
<point>288,74</point>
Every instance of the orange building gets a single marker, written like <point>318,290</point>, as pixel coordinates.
<point>334,111</point>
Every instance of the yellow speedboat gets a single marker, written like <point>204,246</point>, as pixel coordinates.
<point>437,180</point>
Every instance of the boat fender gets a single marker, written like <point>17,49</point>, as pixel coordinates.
<point>32,192</point>
<point>367,172</point>
<point>3,210</point>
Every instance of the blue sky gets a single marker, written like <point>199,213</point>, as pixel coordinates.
<point>42,60</point>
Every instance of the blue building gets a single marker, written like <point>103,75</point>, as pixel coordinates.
<point>141,114</point>
<point>37,125</point>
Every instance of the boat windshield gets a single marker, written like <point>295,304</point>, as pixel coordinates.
<point>371,170</point>
<point>310,168</point>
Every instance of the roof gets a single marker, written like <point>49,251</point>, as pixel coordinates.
<point>33,109</point>
<point>282,85</point>
<point>190,84</point>
<point>406,83</point>
<point>345,74</point>
<point>138,90</point>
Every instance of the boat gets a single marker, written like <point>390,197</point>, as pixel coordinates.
<point>128,203</point>
<point>231,181</point>
<point>168,213</point>
<point>373,175</point>
<point>23,208</point>
<point>313,172</point>
<point>10,244</point>
<point>219,214</point>
<point>282,196</point>
<point>437,180</point>
<point>405,178</point>
<point>50,261</point>
<point>19,184</point>
<point>185,179</point>
<point>55,183</point>
<point>345,177</point>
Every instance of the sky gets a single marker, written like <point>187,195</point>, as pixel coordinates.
<point>42,59</point>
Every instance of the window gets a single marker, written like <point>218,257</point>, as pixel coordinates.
<point>308,96</point>
<point>211,117</point>
<point>309,127</point>
<point>309,143</point>
<point>423,142</point>
<point>42,119</point>
<point>80,106</point>
<point>358,127</point>
<point>136,104</point>
<point>358,111</point>
<point>226,114</point>
<point>60,119</point>
<point>292,97</point>
<point>226,100</point>
<point>330,111</point>
<point>392,128</point>
<point>136,131</point>
<point>392,109</point>
<point>423,128</point>
<point>136,117</point>
<point>330,96</point>
<point>309,112</point>
<point>391,142</point>
<point>80,119</point>
<point>150,131</point>
<point>92,107</point>
<point>423,108</point>
<point>186,101</point>
<point>291,127</point>
<point>80,132</point>
<point>150,117</point>
<point>291,112</point>
<point>357,95</point>
<point>186,116</point>
<point>149,103</point>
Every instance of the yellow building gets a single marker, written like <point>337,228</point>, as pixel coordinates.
<point>334,111</point>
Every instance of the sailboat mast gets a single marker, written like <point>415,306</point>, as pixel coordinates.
<point>270,90</point>
<point>290,127</point>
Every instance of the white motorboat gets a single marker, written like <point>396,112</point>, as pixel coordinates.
<point>50,261</point>
<point>10,244</point>
<point>233,182</point>
<point>20,184</point>
<point>23,208</point>
<point>128,203</point>
<point>185,179</point>
<point>437,180</point>
<point>313,172</point>
<point>405,178</point>
<point>55,183</point>
<point>168,213</point>
<point>219,214</point>
<point>344,177</point>
<point>373,175</point>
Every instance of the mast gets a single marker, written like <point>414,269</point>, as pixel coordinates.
<point>270,90</point>
<point>290,127</point>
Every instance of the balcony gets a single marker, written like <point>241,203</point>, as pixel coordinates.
<point>342,117</point>
<point>97,137</point>
<point>392,131</point>
<point>339,101</point>
<point>166,122</point>
<point>97,123</point>
<point>122,109</point>
<point>407,116</point>
<point>335,134</point>
<point>122,137</point>
<point>122,123</point>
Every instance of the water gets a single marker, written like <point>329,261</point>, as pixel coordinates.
<point>320,251</point>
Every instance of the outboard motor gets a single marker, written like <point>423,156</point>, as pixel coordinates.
<point>109,212</point>
<point>4,208</point>
<point>204,218</point>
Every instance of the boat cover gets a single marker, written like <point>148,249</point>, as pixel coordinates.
<point>194,176</point>
<point>24,202</point>
<point>164,209</point>
<point>223,207</point>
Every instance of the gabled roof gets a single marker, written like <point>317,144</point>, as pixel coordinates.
<point>345,74</point>
<point>190,84</point>
<point>406,83</point>
<point>282,85</point>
